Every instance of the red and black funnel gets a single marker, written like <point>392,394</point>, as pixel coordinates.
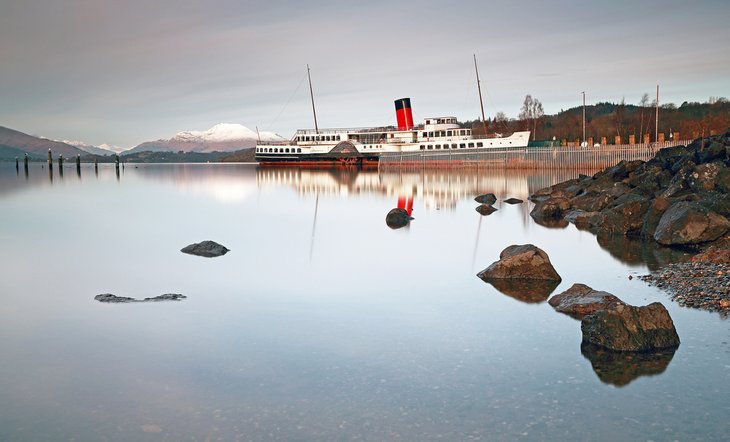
<point>403,113</point>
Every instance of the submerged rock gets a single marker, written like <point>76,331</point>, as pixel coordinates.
<point>513,201</point>
<point>486,209</point>
<point>521,262</point>
<point>397,218</point>
<point>487,198</point>
<point>629,328</point>
<point>207,249</point>
<point>581,300</point>
<point>114,299</point>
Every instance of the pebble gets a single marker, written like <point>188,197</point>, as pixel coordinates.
<point>704,285</point>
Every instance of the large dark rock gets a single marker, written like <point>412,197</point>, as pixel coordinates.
<point>521,262</point>
<point>551,208</point>
<point>620,368</point>
<point>580,218</point>
<point>208,249</point>
<point>624,217</point>
<point>715,151</point>
<point>653,215</point>
<point>629,328</point>
<point>485,209</point>
<point>581,300</point>
<point>689,223</point>
<point>487,198</point>
<point>722,180</point>
<point>397,218</point>
<point>704,176</point>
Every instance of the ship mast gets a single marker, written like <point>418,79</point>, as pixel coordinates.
<point>311,94</point>
<point>481,102</point>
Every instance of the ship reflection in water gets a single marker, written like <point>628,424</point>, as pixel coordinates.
<point>438,189</point>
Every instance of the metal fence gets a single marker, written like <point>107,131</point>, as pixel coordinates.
<point>542,158</point>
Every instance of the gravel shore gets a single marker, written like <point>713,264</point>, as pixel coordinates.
<point>698,284</point>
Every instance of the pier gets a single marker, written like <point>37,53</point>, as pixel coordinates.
<point>526,158</point>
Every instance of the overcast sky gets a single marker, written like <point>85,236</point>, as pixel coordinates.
<point>124,72</point>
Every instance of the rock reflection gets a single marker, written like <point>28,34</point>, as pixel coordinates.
<point>621,368</point>
<point>552,223</point>
<point>635,251</point>
<point>525,290</point>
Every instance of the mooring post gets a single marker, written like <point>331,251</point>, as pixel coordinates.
<point>96,166</point>
<point>17,165</point>
<point>60,165</point>
<point>50,159</point>
<point>25,163</point>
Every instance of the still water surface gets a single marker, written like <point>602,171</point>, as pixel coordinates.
<point>322,323</point>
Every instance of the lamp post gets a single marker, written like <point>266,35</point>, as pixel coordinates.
<point>584,118</point>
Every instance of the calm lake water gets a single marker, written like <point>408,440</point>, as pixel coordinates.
<point>321,323</point>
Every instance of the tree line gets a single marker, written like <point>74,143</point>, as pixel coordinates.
<point>604,119</point>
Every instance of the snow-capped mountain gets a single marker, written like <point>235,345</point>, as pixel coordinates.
<point>223,137</point>
<point>102,149</point>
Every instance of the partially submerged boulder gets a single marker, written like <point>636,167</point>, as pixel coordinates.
<point>513,201</point>
<point>629,328</point>
<point>487,198</point>
<point>207,249</point>
<point>581,300</point>
<point>521,262</point>
<point>551,208</point>
<point>114,299</point>
<point>397,218</point>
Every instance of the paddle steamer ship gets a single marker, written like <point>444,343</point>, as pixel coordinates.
<point>365,146</point>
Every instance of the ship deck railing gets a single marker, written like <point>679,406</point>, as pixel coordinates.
<point>343,130</point>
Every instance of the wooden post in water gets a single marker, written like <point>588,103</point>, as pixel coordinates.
<point>96,166</point>
<point>78,164</point>
<point>25,164</point>
<point>50,160</point>
<point>60,165</point>
<point>17,165</point>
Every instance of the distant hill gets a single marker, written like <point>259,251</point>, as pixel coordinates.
<point>224,137</point>
<point>35,145</point>
<point>10,153</point>
<point>690,119</point>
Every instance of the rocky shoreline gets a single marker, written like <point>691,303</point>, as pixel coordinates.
<point>678,199</point>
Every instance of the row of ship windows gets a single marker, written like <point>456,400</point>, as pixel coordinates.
<point>319,138</point>
<point>278,150</point>
<point>446,133</point>
<point>453,146</point>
